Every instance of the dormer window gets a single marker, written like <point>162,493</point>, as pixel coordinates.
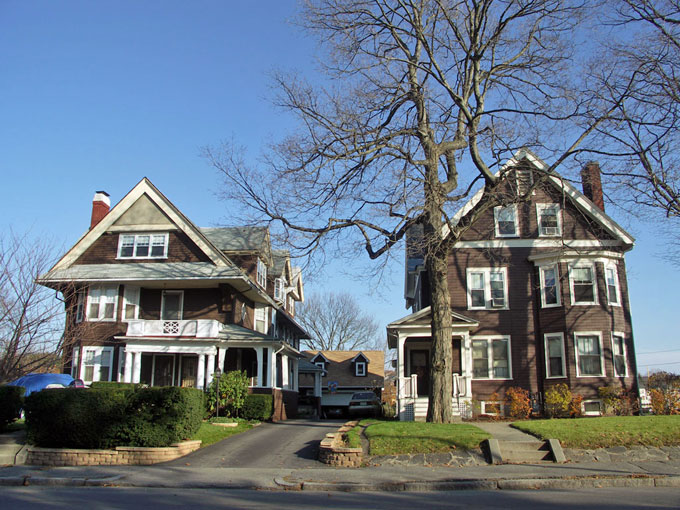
<point>360,369</point>
<point>143,246</point>
<point>261,274</point>
<point>280,290</point>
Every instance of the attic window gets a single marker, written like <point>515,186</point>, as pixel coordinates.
<point>143,246</point>
<point>279,290</point>
<point>360,368</point>
<point>261,274</point>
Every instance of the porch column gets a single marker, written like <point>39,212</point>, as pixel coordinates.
<point>127,370</point>
<point>211,367</point>
<point>221,354</point>
<point>136,367</point>
<point>200,375</point>
<point>467,363</point>
<point>296,374</point>
<point>285,370</point>
<point>317,384</point>
<point>260,359</point>
<point>271,368</point>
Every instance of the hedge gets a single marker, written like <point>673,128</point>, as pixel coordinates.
<point>11,402</point>
<point>106,385</point>
<point>106,417</point>
<point>258,407</point>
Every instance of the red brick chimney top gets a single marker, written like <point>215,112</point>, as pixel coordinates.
<point>100,207</point>
<point>592,184</point>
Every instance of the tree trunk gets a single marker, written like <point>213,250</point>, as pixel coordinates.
<point>441,365</point>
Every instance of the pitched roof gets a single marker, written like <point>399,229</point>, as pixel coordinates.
<point>419,323</point>
<point>239,239</point>
<point>341,370</point>
<point>280,259</point>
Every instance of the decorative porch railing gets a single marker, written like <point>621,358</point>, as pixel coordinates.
<point>200,328</point>
<point>408,387</point>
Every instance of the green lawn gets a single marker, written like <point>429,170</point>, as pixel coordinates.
<point>607,431</point>
<point>399,437</point>
<point>210,434</point>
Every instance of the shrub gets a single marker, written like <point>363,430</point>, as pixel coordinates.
<point>106,385</point>
<point>557,401</point>
<point>576,406</point>
<point>389,411</point>
<point>492,408</point>
<point>258,407</point>
<point>665,401</point>
<point>232,388</point>
<point>618,401</point>
<point>518,403</point>
<point>11,402</point>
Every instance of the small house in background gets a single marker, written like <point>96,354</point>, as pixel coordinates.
<point>345,373</point>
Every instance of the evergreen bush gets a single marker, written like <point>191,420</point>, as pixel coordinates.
<point>11,402</point>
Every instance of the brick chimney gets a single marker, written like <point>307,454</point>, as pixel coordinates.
<point>592,185</point>
<point>100,207</point>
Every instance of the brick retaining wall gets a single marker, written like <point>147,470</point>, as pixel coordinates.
<point>333,451</point>
<point>131,455</point>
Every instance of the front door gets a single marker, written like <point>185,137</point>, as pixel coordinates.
<point>420,365</point>
<point>189,371</point>
<point>163,370</point>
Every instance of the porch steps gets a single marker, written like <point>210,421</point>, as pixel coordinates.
<point>420,409</point>
<point>526,452</point>
<point>10,445</point>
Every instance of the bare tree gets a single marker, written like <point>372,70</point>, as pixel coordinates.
<point>31,317</point>
<point>425,99</point>
<point>337,323</point>
<point>642,138</point>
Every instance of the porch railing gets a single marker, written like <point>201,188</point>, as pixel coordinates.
<point>200,328</point>
<point>408,386</point>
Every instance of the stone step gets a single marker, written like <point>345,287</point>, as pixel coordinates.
<point>520,452</point>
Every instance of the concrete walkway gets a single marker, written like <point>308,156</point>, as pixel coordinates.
<point>502,431</point>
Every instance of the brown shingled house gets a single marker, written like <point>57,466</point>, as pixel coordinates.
<point>539,297</point>
<point>346,372</point>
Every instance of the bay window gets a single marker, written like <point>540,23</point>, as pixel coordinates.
<point>550,290</point>
<point>554,356</point>
<point>491,358</point>
<point>589,360</point>
<point>583,286</point>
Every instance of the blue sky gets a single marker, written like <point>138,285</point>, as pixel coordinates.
<point>96,95</point>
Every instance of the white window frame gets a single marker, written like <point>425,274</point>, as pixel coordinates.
<point>593,272</point>
<point>181,304</point>
<point>135,240</point>
<point>360,368</point>
<point>607,268</point>
<point>616,334</point>
<point>603,369</point>
<point>261,273</point>
<point>489,340</point>
<point>543,207</point>
<point>280,290</point>
<point>487,271</point>
<point>81,305</point>
<point>541,270</point>
<point>96,365</point>
<point>131,296</point>
<point>546,337</point>
<point>498,403</point>
<point>102,299</point>
<point>497,212</point>
<point>75,362</point>
<point>260,318</point>
<point>591,413</point>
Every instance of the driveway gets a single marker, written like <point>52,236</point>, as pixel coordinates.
<point>286,444</point>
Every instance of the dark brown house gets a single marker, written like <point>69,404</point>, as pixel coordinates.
<point>538,294</point>
<point>153,299</point>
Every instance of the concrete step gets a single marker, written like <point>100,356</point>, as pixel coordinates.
<point>520,452</point>
<point>8,453</point>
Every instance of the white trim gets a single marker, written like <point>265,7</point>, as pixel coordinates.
<point>544,242</point>
<point>611,266</point>
<point>102,299</point>
<point>559,335</point>
<point>75,362</point>
<point>624,353</point>
<point>362,365</point>
<point>591,413</point>
<point>497,211</point>
<point>541,271</point>
<point>131,296</point>
<point>484,403</point>
<point>489,339</point>
<point>261,273</point>
<point>567,255</point>
<point>593,274</point>
<point>181,304</point>
<point>558,215</point>
<point>488,300</point>
<point>96,365</point>
<point>603,370</point>
<point>135,240</point>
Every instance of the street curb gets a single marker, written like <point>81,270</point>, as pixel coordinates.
<point>29,480</point>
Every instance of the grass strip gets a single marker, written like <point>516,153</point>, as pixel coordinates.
<point>401,437</point>
<point>607,431</point>
<point>353,437</point>
<point>211,434</point>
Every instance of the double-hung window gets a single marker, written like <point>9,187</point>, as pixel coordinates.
<point>491,358</point>
<point>96,364</point>
<point>505,221</point>
<point>612,277</point>
<point>487,288</point>
<point>619,355</point>
<point>81,299</point>
<point>589,359</point>
<point>261,318</point>
<point>554,356</point>
<point>550,286</point>
<point>130,303</point>
<point>261,274</point>
<point>280,290</point>
<point>360,368</point>
<point>102,301</point>
<point>143,246</point>
<point>583,286</point>
<point>549,220</point>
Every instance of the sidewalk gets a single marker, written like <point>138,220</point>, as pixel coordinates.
<point>377,478</point>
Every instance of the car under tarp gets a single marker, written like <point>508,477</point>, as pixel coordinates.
<point>37,382</point>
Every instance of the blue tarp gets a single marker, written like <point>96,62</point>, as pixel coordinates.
<point>37,382</point>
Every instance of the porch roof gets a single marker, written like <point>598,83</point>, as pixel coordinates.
<point>307,367</point>
<point>420,322</point>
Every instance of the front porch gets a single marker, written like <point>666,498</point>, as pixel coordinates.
<point>411,336</point>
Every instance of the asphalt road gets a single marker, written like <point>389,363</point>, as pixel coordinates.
<point>35,498</point>
<point>286,444</point>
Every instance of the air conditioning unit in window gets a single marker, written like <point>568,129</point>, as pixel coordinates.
<point>550,231</point>
<point>498,303</point>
